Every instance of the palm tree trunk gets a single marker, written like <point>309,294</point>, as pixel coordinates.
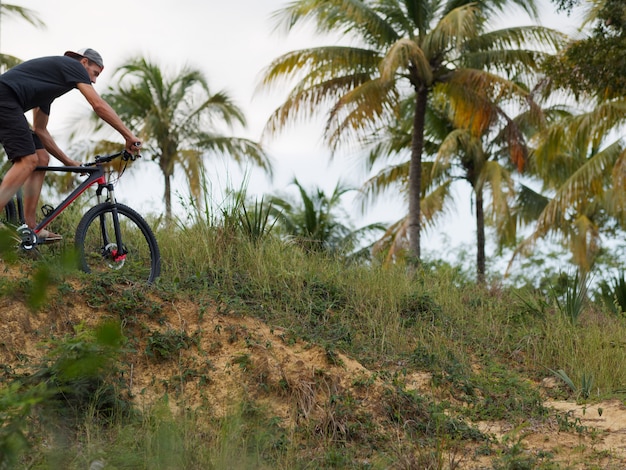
<point>415,174</point>
<point>480,237</point>
<point>167,195</point>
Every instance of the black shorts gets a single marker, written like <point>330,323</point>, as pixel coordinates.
<point>16,136</point>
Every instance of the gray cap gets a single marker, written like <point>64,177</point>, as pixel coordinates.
<point>88,53</point>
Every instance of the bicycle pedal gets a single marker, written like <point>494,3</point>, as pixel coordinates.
<point>46,210</point>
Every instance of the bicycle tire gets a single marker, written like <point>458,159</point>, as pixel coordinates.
<point>98,251</point>
<point>10,213</point>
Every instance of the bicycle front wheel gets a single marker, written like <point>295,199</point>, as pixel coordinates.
<point>115,237</point>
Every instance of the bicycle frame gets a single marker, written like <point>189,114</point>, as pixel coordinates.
<point>98,236</point>
<point>96,176</point>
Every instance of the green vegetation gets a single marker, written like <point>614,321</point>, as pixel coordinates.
<point>400,59</point>
<point>394,364</point>
<point>485,351</point>
<point>595,64</point>
<point>177,116</point>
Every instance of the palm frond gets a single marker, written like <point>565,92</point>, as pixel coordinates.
<point>307,67</point>
<point>403,54</point>
<point>501,185</point>
<point>241,150</point>
<point>520,38</point>
<point>435,204</point>
<point>452,31</point>
<point>457,141</point>
<point>304,104</point>
<point>577,188</point>
<point>394,176</point>
<point>359,112</point>
<point>346,17</point>
<point>393,245</point>
<point>419,16</point>
<point>530,204</point>
<point>8,61</point>
<point>26,14</point>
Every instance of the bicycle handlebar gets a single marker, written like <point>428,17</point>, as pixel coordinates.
<point>126,155</point>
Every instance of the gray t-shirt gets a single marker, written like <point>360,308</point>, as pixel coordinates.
<point>38,82</point>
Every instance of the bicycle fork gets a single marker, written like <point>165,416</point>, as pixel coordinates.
<point>113,249</point>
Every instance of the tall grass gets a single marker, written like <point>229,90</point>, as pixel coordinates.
<point>378,313</point>
<point>480,345</point>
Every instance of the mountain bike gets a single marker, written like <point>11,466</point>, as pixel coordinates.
<point>109,236</point>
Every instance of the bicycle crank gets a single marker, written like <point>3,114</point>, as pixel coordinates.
<point>28,238</point>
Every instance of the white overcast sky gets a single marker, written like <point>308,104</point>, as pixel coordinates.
<point>230,41</point>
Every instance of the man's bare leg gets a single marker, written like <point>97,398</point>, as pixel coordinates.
<point>32,189</point>
<point>15,178</point>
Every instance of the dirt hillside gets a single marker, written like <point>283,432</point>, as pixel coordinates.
<point>225,356</point>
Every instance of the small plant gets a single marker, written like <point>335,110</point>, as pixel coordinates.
<point>586,383</point>
<point>81,371</point>
<point>244,361</point>
<point>8,251</point>
<point>575,295</point>
<point>16,404</point>
<point>420,417</point>
<point>612,293</point>
<point>567,424</point>
<point>561,374</point>
<point>515,456</point>
<point>333,357</point>
<point>76,377</point>
<point>164,346</point>
<point>255,222</point>
<point>128,302</point>
<point>419,307</point>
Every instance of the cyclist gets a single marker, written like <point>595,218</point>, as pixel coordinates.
<point>34,85</point>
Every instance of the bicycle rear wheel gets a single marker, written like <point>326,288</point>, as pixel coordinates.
<point>10,213</point>
<point>137,257</point>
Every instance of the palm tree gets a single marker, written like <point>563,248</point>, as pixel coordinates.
<point>580,159</point>
<point>318,223</point>
<point>7,61</point>
<point>402,47</point>
<point>179,119</point>
<point>479,144</point>
<point>395,144</point>
<point>581,162</point>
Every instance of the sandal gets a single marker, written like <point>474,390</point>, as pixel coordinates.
<point>46,236</point>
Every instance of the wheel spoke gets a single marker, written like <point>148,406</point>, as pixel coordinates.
<point>137,259</point>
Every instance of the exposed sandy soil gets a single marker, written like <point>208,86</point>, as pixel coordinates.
<point>236,356</point>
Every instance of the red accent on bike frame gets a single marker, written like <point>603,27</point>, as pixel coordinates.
<point>99,180</point>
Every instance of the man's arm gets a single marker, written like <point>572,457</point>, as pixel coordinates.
<point>40,127</point>
<point>108,115</point>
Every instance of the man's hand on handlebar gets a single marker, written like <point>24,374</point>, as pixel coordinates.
<point>133,145</point>
<point>72,163</point>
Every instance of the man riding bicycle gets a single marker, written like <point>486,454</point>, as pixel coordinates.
<point>35,84</point>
